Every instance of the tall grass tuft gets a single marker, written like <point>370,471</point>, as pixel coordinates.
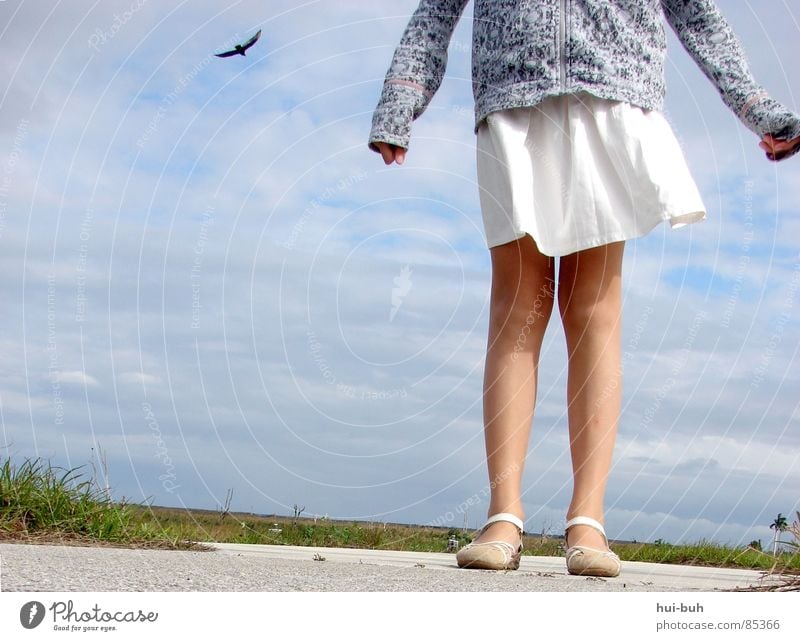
<point>38,501</point>
<point>36,497</point>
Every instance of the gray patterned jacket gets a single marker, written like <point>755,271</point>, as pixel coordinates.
<point>526,50</point>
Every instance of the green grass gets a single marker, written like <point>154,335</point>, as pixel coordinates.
<point>705,553</point>
<point>39,502</point>
<point>43,503</point>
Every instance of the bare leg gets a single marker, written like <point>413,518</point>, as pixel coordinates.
<point>589,299</point>
<point>522,299</point>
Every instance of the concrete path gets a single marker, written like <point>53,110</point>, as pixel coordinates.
<point>266,568</point>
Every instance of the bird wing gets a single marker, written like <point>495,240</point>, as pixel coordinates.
<point>243,47</point>
<point>252,40</point>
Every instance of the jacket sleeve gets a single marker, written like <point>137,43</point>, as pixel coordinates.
<point>709,39</point>
<point>416,71</point>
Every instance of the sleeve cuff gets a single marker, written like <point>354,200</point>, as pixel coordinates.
<point>764,115</point>
<point>398,107</point>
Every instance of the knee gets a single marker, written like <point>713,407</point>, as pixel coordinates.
<point>525,310</point>
<point>578,313</point>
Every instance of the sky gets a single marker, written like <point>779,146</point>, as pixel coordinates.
<point>212,284</point>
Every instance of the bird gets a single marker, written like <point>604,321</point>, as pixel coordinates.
<point>240,49</point>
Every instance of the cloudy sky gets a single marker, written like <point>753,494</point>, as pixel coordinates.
<point>199,258</point>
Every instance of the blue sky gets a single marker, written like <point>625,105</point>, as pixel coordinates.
<point>199,258</point>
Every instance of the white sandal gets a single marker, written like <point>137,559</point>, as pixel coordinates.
<point>590,561</point>
<point>492,555</point>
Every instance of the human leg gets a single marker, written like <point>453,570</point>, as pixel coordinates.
<point>589,298</point>
<point>521,302</point>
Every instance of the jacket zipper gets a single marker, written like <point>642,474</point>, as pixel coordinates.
<point>562,49</point>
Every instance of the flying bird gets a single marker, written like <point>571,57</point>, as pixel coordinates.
<point>240,49</point>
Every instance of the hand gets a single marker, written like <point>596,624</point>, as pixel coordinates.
<point>391,153</point>
<point>778,149</point>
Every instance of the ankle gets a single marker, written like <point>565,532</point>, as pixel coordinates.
<point>593,513</point>
<point>514,508</point>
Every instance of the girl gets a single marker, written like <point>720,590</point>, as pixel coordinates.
<point>573,158</point>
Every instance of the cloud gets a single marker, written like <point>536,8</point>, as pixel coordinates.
<point>76,378</point>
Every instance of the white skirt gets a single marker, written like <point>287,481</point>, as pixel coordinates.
<point>578,171</point>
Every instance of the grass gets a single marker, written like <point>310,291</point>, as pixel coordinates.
<point>40,503</point>
<point>707,554</point>
<point>281,530</point>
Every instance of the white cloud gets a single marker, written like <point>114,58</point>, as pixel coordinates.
<point>76,378</point>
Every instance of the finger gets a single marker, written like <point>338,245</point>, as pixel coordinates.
<point>400,155</point>
<point>386,152</point>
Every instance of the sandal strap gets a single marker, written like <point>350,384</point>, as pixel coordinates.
<point>506,516</point>
<point>585,520</point>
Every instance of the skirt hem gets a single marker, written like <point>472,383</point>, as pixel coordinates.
<point>676,222</point>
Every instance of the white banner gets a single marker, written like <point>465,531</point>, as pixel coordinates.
<point>399,615</point>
